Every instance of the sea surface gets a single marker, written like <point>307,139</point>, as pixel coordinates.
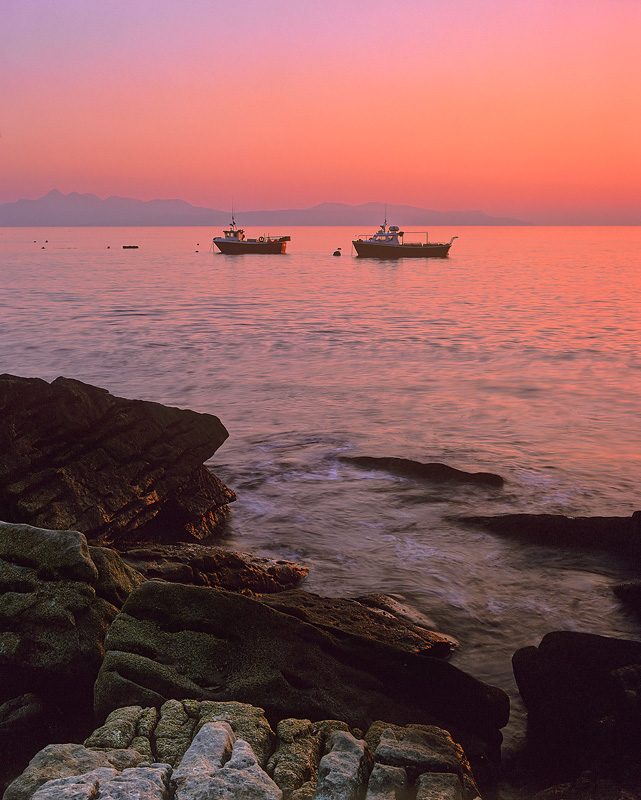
<point>519,354</point>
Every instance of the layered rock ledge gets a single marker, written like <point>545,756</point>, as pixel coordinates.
<point>74,457</point>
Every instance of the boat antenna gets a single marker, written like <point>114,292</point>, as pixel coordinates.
<point>384,225</point>
<point>232,213</point>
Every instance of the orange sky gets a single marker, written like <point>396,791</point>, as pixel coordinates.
<point>521,108</point>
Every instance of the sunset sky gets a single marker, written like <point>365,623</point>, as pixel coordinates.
<point>521,108</point>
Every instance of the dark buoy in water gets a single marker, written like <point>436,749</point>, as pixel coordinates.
<point>337,252</point>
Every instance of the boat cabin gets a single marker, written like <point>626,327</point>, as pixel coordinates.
<point>387,235</point>
<point>234,233</point>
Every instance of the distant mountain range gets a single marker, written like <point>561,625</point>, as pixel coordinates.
<point>59,210</point>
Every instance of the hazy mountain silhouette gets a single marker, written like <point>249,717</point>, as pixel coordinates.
<point>74,209</point>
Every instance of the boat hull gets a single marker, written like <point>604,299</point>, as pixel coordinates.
<point>268,247</point>
<point>378,250</point>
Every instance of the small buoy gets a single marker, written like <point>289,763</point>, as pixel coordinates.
<point>108,247</point>
<point>196,250</point>
<point>43,247</point>
<point>337,252</point>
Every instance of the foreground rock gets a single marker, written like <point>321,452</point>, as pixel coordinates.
<point>203,565</point>
<point>58,597</point>
<point>188,750</point>
<point>620,535</point>
<point>74,457</point>
<point>583,697</point>
<point>432,472</point>
<point>174,641</point>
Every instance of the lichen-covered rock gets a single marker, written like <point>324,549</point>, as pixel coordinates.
<point>298,754</point>
<point>58,597</point>
<point>173,641</point>
<point>74,457</point>
<point>318,760</point>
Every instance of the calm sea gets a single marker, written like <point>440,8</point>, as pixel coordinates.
<point>518,354</point>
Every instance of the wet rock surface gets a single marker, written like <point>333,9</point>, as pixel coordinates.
<point>74,457</point>
<point>229,750</point>
<point>352,618</point>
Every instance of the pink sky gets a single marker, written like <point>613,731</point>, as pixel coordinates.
<point>521,108</point>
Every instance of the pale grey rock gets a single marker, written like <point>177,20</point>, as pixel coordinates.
<point>439,786</point>
<point>211,748</point>
<point>241,778</point>
<point>146,782</point>
<point>142,783</point>
<point>247,722</point>
<point>75,787</point>
<point>387,783</point>
<point>344,770</point>
<point>53,762</point>
<point>58,555</point>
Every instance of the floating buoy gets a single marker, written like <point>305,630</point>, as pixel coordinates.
<point>337,252</point>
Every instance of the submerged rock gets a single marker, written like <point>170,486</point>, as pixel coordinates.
<point>74,457</point>
<point>614,534</point>
<point>432,472</point>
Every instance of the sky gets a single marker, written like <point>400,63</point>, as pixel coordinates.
<point>521,108</point>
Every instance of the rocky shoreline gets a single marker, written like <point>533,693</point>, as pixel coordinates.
<point>138,659</point>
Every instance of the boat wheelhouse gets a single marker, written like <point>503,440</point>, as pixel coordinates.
<point>388,242</point>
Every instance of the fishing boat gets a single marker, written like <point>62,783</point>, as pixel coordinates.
<point>388,242</point>
<point>234,241</point>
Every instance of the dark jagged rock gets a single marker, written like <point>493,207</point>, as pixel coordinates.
<point>432,472</point>
<point>614,534</point>
<point>583,697</point>
<point>629,594</point>
<point>176,641</point>
<point>351,619</point>
<point>74,457</point>
<point>203,565</point>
